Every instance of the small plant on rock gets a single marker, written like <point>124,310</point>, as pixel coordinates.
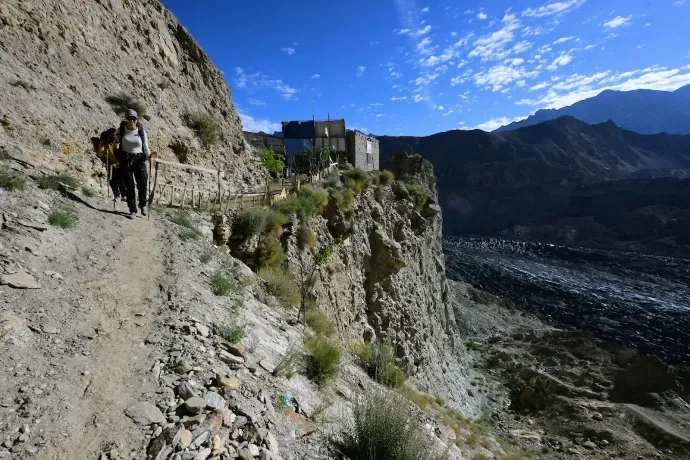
<point>281,285</point>
<point>378,360</point>
<point>10,180</point>
<point>381,429</point>
<point>205,126</point>
<point>223,284</point>
<point>305,237</point>
<point>345,198</point>
<point>417,194</point>
<point>63,219</point>
<point>269,254</point>
<point>53,182</point>
<point>123,101</point>
<point>386,177</point>
<point>87,192</point>
<point>357,180</point>
<point>234,333</point>
<point>318,321</point>
<point>321,359</point>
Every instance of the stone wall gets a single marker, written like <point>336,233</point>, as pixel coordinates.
<point>357,151</point>
<point>61,59</point>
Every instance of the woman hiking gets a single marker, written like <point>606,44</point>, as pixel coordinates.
<point>105,150</point>
<point>133,151</point>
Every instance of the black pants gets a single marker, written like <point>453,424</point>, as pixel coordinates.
<point>116,184</point>
<point>134,170</point>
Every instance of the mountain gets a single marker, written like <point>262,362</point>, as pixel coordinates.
<point>643,111</point>
<point>518,183</point>
<point>67,69</point>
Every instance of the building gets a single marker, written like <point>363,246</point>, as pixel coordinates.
<point>356,148</point>
<point>259,140</point>
<point>362,151</point>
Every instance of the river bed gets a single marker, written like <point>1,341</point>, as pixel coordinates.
<point>640,300</point>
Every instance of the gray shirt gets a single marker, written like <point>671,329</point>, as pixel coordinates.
<point>131,142</point>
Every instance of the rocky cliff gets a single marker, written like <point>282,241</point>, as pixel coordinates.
<point>64,66</point>
<point>385,278</point>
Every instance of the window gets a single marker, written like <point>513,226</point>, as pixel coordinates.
<point>369,155</point>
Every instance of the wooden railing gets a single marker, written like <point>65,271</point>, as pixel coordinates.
<point>180,196</point>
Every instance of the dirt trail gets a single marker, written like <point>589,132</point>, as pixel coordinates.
<point>87,360</point>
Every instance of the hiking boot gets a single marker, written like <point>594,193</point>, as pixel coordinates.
<point>116,198</point>
<point>132,215</point>
<point>144,210</point>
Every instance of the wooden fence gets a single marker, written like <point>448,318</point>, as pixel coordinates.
<point>179,196</point>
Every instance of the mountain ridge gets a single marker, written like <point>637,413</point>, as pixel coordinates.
<point>665,111</point>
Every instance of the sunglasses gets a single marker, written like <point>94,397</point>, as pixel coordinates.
<point>132,119</point>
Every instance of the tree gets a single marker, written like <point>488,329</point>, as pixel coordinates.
<point>271,162</point>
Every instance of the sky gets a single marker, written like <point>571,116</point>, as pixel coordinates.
<point>413,67</point>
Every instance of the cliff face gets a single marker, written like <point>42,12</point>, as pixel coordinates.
<point>387,279</point>
<point>61,60</point>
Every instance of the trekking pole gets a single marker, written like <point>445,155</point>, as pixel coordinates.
<point>107,175</point>
<point>148,186</point>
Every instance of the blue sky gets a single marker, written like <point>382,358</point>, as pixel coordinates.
<point>412,67</point>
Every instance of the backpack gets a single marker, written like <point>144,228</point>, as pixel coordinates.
<point>121,130</point>
<point>103,145</point>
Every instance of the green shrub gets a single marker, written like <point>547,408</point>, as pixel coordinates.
<point>357,180</point>
<point>205,126</point>
<point>207,255</point>
<point>378,360</point>
<point>53,182</point>
<point>87,192</point>
<point>233,333</point>
<point>381,429</point>
<point>305,237</point>
<point>3,154</point>
<point>321,359</point>
<point>386,177</point>
<point>10,180</point>
<point>418,399</point>
<point>417,194</point>
<point>187,234</point>
<point>311,201</point>
<point>123,101</point>
<point>223,284</point>
<point>62,219</point>
<point>344,197</point>
<point>256,221</point>
<point>269,253</point>
<point>333,180</point>
<point>281,285</point>
<point>318,321</point>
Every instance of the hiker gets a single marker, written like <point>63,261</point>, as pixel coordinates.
<point>133,150</point>
<point>105,150</point>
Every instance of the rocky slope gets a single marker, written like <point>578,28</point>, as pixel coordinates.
<point>664,111</point>
<point>536,182</point>
<point>61,61</point>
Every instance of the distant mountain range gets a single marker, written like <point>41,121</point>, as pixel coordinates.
<point>555,181</point>
<point>643,111</point>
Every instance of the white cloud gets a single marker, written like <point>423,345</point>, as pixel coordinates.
<point>589,47</point>
<point>481,16</point>
<point>374,43</point>
<point>423,31</point>
<point>496,123</point>
<point>521,83</point>
<point>492,46</point>
<point>360,70</point>
<point>401,98</point>
<point>563,40</point>
<point>403,31</point>
<point>539,86</point>
<point>289,50</point>
<point>316,76</point>
<point>396,74</point>
<point>256,102</point>
<point>560,61</point>
<point>618,21</point>
<point>425,10</point>
<point>249,123</point>
<point>647,24</point>
<point>499,76</point>
<point>558,7</point>
<point>425,47</point>
<point>379,115</point>
<point>679,2</point>
<point>419,98</point>
<point>258,81</point>
<point>453,34</point>
<point>579,87</point>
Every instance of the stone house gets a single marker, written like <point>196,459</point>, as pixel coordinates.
<point>362,151</point>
